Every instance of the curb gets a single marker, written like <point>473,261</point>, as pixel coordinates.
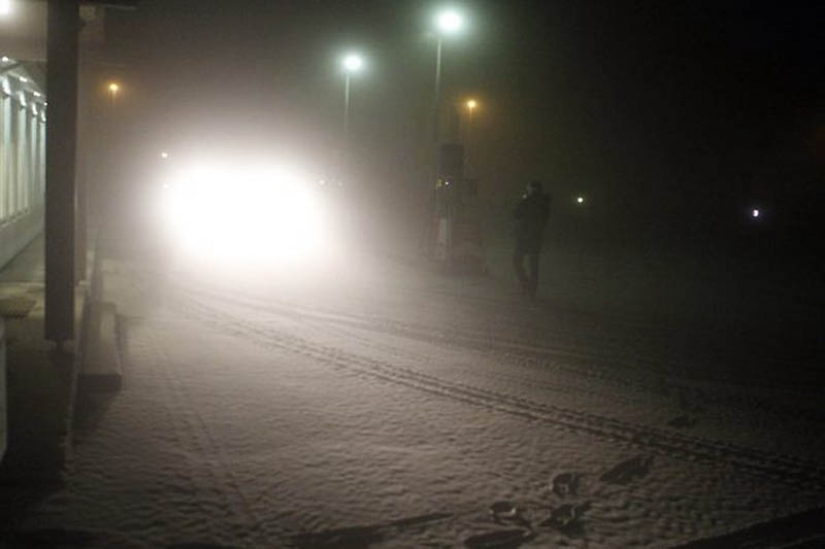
<point>100,365</point>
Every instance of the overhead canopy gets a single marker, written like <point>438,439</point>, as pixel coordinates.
<point>23,31</point>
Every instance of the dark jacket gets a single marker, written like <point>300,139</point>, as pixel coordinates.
<point>531,216</point>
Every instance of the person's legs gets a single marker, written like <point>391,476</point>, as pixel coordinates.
<point>533,260</point>
<point>518,267</point>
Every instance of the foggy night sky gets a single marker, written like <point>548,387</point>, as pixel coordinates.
<point>645,105</point>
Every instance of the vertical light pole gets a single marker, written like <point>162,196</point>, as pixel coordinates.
<point>471,105</point>
<point>448,22</point>
<point>352,63</point>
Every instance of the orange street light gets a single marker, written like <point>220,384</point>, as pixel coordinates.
<point>114,89</point>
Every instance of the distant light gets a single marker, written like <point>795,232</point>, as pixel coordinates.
<point>471,104</point>
<point>164,155</point>
<point>37,93</point>
<point>580,200</point>
<point>23,79</point>
<point>353,62</point>
<point>755,213</point>
<point>114,87</point>
<point>449,21</point>
<point>5,59</point>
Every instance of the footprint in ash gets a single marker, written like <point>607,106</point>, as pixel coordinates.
<point>629,470</point>
<point>566,484</point>
<point>506,512</point>
<point>500,539</point>
<point>567,519</point>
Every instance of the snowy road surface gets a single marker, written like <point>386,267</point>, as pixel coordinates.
<point>395,408</point>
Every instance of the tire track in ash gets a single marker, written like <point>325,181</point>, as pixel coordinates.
<point>623,369</point>
<point>193,432</point>
<point>585,386</point>
<point>786,469</point>
<point>463,339</point>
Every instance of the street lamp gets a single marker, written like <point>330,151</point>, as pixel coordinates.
<point>447,22</point>
<point>114,89</point>
<point>352,63</point>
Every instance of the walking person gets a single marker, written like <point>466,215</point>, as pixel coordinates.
<point>531,215</point>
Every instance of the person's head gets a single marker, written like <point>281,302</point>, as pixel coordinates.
<point>534,187</point>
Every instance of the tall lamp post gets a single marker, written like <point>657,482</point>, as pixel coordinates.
<point>471,105</point>
<point>447,22</point>
<point>352,63</point>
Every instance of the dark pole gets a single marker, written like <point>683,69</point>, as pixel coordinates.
<point>346,109</point>
<point>61,149</point>
<point>437,99</point>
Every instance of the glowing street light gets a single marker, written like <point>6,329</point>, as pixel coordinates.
<point>114,89</point>
<point>755,213</point>
<point>448,23</point>
<point>580,200</point>
<point>352,63</point>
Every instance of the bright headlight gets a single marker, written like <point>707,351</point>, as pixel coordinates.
<point>245,214</point>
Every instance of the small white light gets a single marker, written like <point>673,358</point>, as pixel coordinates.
<point>755,213</point>
<point>5,59</point>
<point>37,94</point>
<point>353,62</point>
<point>23,79</point>
<point>449,21</point>
<point>164,155</point>
<point>580,200</point>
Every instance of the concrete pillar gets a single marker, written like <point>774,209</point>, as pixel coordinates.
<point>61,150</point>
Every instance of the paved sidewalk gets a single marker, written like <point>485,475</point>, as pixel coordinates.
<point>40,387</point>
